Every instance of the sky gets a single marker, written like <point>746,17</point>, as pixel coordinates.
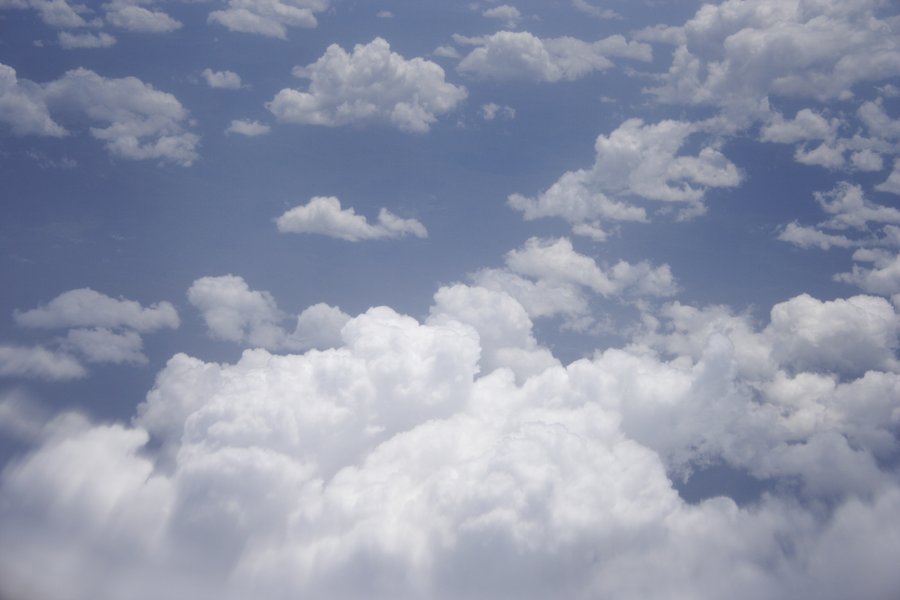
<point>437,300</point>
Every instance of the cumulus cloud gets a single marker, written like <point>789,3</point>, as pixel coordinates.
<point>69,41</point>
<point>323,215</point>
<point>396,465</point>
<point>270,18</point>
<point>508,55</point>
<point>509,15</point>
<point>55,13</point>
<point>637,161</point>
<point>127,14</point>
<point>22,106</point>
<point>734,54</point>
<point>85,307</point>
<point>226,80</point>
<point>235,313</point>
<point>100,345</point>
<point>38,362</point>
<point>135,120</point>
<point>892,183</point>
<point>369,84</point>
<point>549,278</point>
<point>248,128</point>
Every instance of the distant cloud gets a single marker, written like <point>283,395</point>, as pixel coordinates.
<point>23,107</point>
<point>270,18</point>
<point>384,14</point>
<point>594,11</point>
<point>87,308</point>
<point>369,84</point>
<point>228,80</point>
<point>510,15</point>
<point>69,41</point>
<point>55,13</point>
<point>508,55</point>
<point>126,14</point>
<point>38,362</point>
<point>324,215</point>
<point>100,345</point>
<point>492,111</point>
<point>248,128</point>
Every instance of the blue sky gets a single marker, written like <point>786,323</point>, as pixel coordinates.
<point>439,300</point>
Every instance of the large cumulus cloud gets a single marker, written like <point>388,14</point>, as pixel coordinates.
<point>411,461</point>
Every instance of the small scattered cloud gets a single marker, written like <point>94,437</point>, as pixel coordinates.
<point>69,41</point>
<point>128,15</point>
<point>323,215</point>
<point>269,18</point>
<point>492,111</point>
<point>225,80</point>
<point>248,128</point>
<point>509,15</point>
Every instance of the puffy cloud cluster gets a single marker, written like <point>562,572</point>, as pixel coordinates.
<point>85,40</point>
<point>270,18</point>
<point>736,53</point>
<point>134,120</point>
<point>509,15</point>
<point>873,229</point>
<point>233,312</point>
<point>549,278</point>
<point>399,464</point>
<point>130,15</point>
<point>637,161</point>
<point>248,128</point>
<point>820,143</point>
<point>100,329</point>
<point>369,84</point>
<point>509,55</point>
<point>324,215</point>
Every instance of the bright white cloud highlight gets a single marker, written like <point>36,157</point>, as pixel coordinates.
<point>508,55</point>
<point>324,215</point>
<point>369,84</point>
<point>270,18</point>
<point>393,454</point>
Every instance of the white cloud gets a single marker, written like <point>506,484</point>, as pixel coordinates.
<point>390,467</point>
<point>637,161</point>
<point>736,53</point>
<point>87,308</point>
<point>235,313</point>
<point>38,362</point>
<point>446,52</point>
<point>126,14</point>
<point>882,278</point>
<point>140,121</point>
<point>248,128</point>
<point>55,13</point>
<point>850,209</point>
<point>509,55</point>
<point>892,183</point>
<point>23,108</point>
<point>85,40</point>
<point>370,84</point>
<point>492,111</point>
<point>270,18</point>
<point>324,215</point>
<point>101,345</point>
<point>510,15</point>
<point>595,11</point>
<point>808,237</point>
<point>226,80</point>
